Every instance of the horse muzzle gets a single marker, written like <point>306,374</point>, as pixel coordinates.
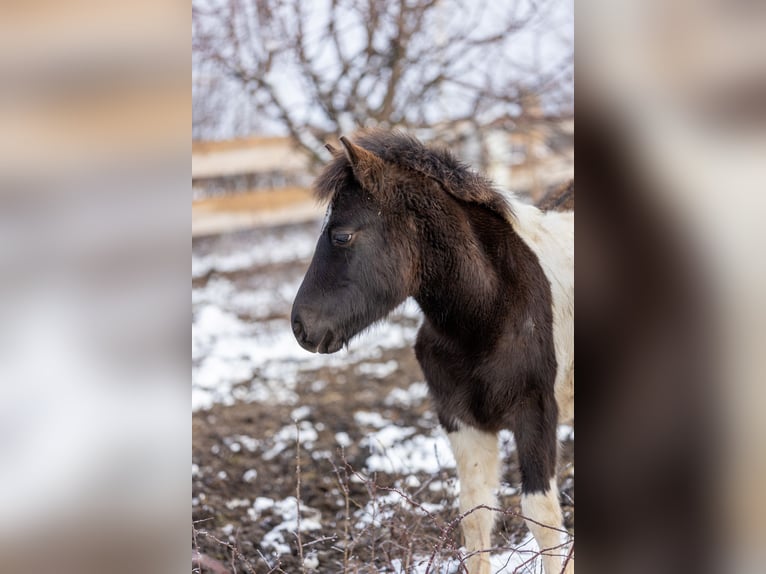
<point>312,336</point>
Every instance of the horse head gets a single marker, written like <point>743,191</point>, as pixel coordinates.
<point>363,264</point>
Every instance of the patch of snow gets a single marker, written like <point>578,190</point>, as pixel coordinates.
<point>409,309</point>
<point>522,559</point>
<point>387,437</point>
<point>507,443</point>
<point>250,443</point>
<point>378,370</point>
<point>250,475</point>
<point>343,439</point>
<point>287,510</point>
<point>565,432</point>
<point>427,508</point>
<point>311,562</point>
<point>414,395</point>
<point>412,481</point>
<point>371,419</point>
<point>381,509</point>
<point>288,436</point>
<point>300,413</point>
<point>237,503</point>
<point>260,504</point>
<point>436,486</point>
<point>318,386</point>
<point>450,487</point>
<point>293,245</point>
<point>396,451</point>
<point>377,511</point>
<point>507,490</point>
<point>321,455</point>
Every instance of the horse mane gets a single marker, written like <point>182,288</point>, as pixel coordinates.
<point>406,152</point>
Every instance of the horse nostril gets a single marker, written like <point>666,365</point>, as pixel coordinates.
<point>298,330</point>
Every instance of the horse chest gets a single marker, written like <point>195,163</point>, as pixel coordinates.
<point>468,386</point>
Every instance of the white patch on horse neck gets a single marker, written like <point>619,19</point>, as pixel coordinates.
<point>326,219</point>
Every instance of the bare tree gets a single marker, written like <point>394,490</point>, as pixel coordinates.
<point>316,69</point>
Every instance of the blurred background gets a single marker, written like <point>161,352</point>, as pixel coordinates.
<point>95,112</point>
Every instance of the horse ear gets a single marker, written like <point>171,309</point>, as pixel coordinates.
<point>368,167</point>
<point>330,148</point>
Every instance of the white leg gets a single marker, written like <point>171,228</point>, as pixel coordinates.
<point>543,508</point>
<point>478,469</point>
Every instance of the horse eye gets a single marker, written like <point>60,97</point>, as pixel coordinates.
<point>341,238</point>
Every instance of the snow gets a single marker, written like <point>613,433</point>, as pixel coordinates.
<point>399,450</point>
<point>250,475</point>
<point>288,436</point>
<point>311,562</point>
<point>413,396</point>
<point>343,439</point>
<point>522,559</point>
<point>251,444</point>
<point>237,503</point>
<point>448,487</point>
<point>412,481</point>
<point>300,413</point>
<point>287,511</point>
<point>292,244</point>
<point>565,432</point>
<point>420,453</point>
<point>370,419</point>
<point>260,505</point>
<point>377,511</point>
<point>378,370</point>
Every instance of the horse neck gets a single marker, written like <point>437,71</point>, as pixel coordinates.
<point>461,280</point>
<point>478,273</point>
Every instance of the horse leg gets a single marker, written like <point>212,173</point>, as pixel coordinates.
<point>536,443</point>
<point>478,463</point>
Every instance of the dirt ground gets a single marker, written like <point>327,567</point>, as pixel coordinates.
<point>247,465</point>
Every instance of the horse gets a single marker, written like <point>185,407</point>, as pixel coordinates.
<point>494,278</point>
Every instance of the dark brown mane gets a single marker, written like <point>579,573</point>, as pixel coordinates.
<point>405,152</point>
